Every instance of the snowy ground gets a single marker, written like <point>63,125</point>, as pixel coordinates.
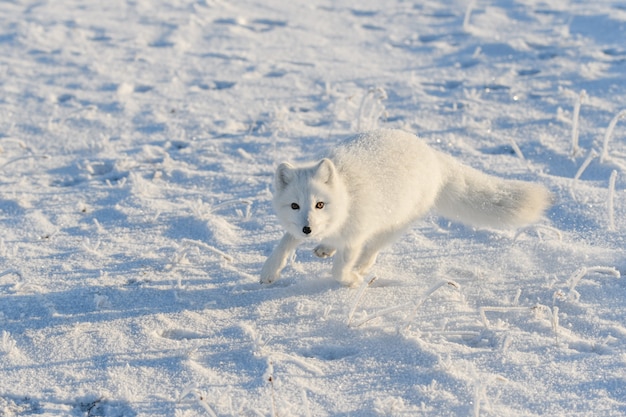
<point>138,140</point>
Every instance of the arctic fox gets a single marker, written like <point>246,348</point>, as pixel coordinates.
<point>369,190</point>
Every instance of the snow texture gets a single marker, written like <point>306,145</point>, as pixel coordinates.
<point>138,141</point>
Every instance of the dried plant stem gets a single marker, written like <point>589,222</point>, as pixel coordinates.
<point>468,15</point>
<point>555,324</point>
<point>244,202</point>
<point>581,272</point>
<point>405,306</point>
<point>608,134</point>
<point>378,94</point>
<point>305,400</point>
<point>575,123</point>
<point>516,149</point>
<point>208,247</point>
<point>611,200</point>
<point>11,272</point>
<point>483,310</point>
<point>537,228</point>
<point>585,164</point>
<point>270,379</point>
<point>358,297</point>
<point>192,390</point>
<point>411,316</point>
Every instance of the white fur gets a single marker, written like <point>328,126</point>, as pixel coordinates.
<point>373,186</point>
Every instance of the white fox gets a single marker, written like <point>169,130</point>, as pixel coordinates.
<point>371,188</point>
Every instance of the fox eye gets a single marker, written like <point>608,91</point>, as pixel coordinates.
<point>295,206</point>
<point>319,205</point>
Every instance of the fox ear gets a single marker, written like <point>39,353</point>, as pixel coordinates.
<point>284,175</point>
<point>326,171</point>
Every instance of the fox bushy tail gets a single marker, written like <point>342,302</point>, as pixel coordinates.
<point>478,199</point>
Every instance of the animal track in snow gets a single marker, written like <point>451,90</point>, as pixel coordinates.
<point>180,334</point>
<point>330,353</point>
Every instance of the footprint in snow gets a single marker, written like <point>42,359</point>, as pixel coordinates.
<point>329,353</point>
<point>180,334</point>
<point>255,25</point>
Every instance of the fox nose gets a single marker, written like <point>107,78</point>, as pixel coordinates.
<point>306,230</point>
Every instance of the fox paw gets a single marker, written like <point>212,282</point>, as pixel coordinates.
<point>268,279</point>
<point>269,275</point>
<point>322,251</point>
<point>351,279</point>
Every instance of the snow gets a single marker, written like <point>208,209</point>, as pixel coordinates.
<point>138,141</point>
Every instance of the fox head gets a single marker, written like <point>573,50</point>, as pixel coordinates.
<point>311,201</point>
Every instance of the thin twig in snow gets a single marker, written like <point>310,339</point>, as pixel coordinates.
<point>11,271</point>
<point>480,393</point>
<point>19,142</point>
<point>608,133</point>
<point>405,306</point>
<point>411,316</point>
<point>192,389</point>
<point>483,310</point>
<point>180,257</point>
<point>516,149</point>
<point>610,200</point>
<point>555,323</point>
<point>537,228</point>
<point>378,94</point>
<point>7,343</point>
<point>261,349</point>
<point>92,248</point>
<point>302,363</point>
<point>305,400</point>
<point>246,203</point>
<point>231,267</point>
<point>209,247</point>
<point>581,272</point>
<point>607,270</point>
<point>448,333</point>
<point>506,343</point>
<point>99,227</point>
<point>585,164</point>
<point>575,279</point>
<point>202,402</point>
<point>22,158</point>
<point>575,119</point>
<point>359,295</point>
<point>270,379</point>
<point>468,14</point>
<point>583,167</point>
<point>382,313</point>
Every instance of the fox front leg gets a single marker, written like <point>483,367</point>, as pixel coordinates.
<point>278,259</point>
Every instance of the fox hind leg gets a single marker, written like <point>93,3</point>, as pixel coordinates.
<point>343,266</point>
<point>366,261</point>
<point>369,253</point>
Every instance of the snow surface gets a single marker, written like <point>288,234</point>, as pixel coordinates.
<point>138,141</point>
